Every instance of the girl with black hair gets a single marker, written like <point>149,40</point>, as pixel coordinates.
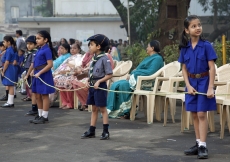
<point>197,57</point>
<point>9,71</point>
<point>43,62</point>
<point>65,53</point>
<point>118,103</point>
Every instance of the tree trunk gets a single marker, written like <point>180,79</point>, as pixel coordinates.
<point>171,25</point>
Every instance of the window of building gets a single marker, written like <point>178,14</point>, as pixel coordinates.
<point>14,12</point>
<point>171,11</point>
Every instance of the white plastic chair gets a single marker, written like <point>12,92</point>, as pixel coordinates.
<point>168,70</point>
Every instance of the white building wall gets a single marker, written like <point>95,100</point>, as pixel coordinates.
<point>84,7</point>
<point>68,30</point>
<point>196,9</point>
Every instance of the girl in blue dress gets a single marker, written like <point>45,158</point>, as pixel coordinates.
<point>197,57</point>
<point>8,72</point>
<point>43,62</point>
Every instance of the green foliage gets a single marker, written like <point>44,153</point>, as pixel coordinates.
<point>46,8</point>
<point>171,53</point>
<point>136,54</point>
<point>218,49</point>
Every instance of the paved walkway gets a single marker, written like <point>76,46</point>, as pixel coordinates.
<point>131,141</point>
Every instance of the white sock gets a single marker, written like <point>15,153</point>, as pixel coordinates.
<point>198,141</point>
<point>14,90</point>
<point>45,114</point>
<point>202,144</point>
<point>40,112</point>
<point>10,99</point>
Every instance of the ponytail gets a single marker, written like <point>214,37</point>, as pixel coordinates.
<point>54,53</point>
<point>184,40</point>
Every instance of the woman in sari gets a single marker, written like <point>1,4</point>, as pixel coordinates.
<point>65,53</point>
<point>119,104</point>
<point>63,76</point>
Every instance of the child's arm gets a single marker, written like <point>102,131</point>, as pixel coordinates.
<point>212,73</point>
<point>190,89</point>
<point>107,77</point>
<point>29,71</point>
<point>6,64</point>
<point>45,69</point>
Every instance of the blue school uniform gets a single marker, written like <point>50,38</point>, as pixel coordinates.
<point>10,71</point>
<point>41,57</point>
<point>16,66</point>
<point>196,61</point>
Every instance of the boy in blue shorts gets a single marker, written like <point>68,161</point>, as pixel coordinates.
<point>100,72</point>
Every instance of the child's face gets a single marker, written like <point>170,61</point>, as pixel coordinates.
<point>94,48</point>
<point>30,46</point>
<point>194,28</point>
<point>41,41</point>
<point>74,50</point>
<point>2,48</point>
<point>6,43</point>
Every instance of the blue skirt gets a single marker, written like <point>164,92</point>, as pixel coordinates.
<point>199,103</point>
<point>16,72</point>
<point>39,87</point>
<point>11,74</point>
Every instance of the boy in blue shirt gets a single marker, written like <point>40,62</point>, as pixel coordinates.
<point>100,72</point>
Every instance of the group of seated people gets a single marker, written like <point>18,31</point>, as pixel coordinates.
<point>70,71</point>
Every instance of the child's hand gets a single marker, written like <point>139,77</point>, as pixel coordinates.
<point>210,93</point>
<point>37,75</point>
<point>191,90</point>
<point>26,77</point>
<point>96,85</point>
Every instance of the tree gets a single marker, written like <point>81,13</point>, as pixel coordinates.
<point>170,22</point>
<point>220,18</point>
<point>143,15</point>
<point>46,8</point>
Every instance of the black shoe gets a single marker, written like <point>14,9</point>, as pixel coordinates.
<point>88,134</point>
<point>40,120</point>
<point>36,118</point>
<point>4,98</point>
<point>7,105</point>
<point>202,153</point>
<point>192,151</point>
<point>32,113</point>
<point>15,96</point>
<point>104,136</point>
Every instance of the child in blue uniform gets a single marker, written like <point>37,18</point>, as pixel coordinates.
<point>100,72</point>
<point>197,57</point>
<point>9,70</point>
<point>43,62</point>
<point>28,65</point>
<point>3,50</point>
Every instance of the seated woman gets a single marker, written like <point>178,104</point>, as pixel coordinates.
<point>82,93</point>
<point>63,76</point>
<point>65,53</point>
<point>119,104</point>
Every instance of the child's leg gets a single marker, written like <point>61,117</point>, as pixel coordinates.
<point>194,150</point>
<point>203,127</point>
<point>104,115</point>
<point>46,105</point>
<point>105,134</point>
<point>39,103</point>
<point>94,115</point>
<point>196,124</point>
<point>11,95</point>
